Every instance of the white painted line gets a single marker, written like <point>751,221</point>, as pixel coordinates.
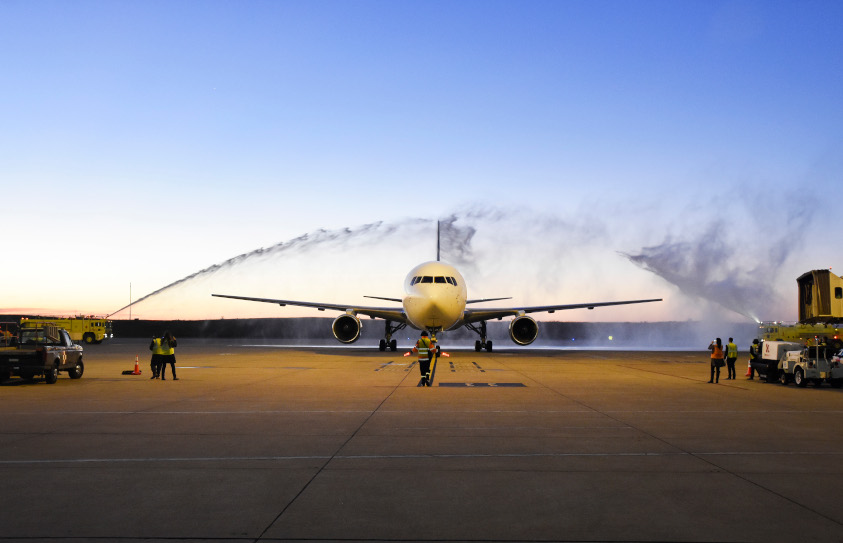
<point>408,456</point>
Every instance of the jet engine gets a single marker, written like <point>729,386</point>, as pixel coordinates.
<point>346,328</point>
<point>523,330</point>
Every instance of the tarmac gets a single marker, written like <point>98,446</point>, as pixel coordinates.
<point>265,443</point>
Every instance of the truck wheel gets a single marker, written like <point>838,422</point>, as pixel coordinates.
<point>76,371</point>
<point>88,338</point>
<point>783,378</point>
<point>52,374</point>
<point>799,377</point>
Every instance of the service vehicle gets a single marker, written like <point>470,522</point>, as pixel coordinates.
<point>46,351</point>
<point>814,363</point>
<point>814,333</point>
<point>772,353</point>
<point>86,329</point>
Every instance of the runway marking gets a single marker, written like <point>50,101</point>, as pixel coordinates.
<point>514,411</point>
<point>502,385</point>
<point>406,456</point>
<point>263,412</point>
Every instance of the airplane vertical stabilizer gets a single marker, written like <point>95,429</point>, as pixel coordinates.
<point>437,241</point>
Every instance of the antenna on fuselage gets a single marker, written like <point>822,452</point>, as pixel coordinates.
<point>437,241</point>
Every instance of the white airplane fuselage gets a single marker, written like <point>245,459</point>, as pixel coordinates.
<point>435,296</point>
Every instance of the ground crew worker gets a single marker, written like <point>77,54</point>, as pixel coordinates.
<point>716,348</point>
<point>168,345</point>
<point>731,358</point>
<point>157,348</point>
<point>426,349</point>
<point>753,356</point>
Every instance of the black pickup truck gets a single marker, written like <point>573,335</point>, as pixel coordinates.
<point>42,351</point>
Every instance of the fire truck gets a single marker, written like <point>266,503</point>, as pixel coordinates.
<point>85,329</point>
<point>8,333</point>
<point>820,313</point>
<point>807,334</point>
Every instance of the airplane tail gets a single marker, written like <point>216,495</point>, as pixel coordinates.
<point>437,241</point>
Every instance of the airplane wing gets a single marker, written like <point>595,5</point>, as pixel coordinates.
<point>476,315</point>
<point>395,314</point>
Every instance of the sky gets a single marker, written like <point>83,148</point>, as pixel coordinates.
<point>578,151</point>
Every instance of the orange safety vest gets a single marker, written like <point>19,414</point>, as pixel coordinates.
<point>717,352</point>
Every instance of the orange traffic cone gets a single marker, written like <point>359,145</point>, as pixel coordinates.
<point>137,367</point>
<point>748,369</point>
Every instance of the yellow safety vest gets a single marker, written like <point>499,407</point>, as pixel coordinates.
<point>158,346</point>
<point>731,350</point>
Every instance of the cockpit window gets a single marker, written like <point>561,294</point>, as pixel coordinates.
<point>431,279</point>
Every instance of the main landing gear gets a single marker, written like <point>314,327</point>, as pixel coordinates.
<point>387,341</point>
<point>481,343</point>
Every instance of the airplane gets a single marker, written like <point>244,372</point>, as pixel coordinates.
<point>436,299</point>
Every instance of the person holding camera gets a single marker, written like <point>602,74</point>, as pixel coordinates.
<point>168,345</point>
<point>716,348</point>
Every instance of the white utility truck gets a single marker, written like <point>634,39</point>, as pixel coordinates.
<point>814,364</point>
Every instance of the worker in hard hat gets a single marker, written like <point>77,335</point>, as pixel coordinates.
<point>426,349</point>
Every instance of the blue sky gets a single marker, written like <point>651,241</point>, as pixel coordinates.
<point>156,139</point>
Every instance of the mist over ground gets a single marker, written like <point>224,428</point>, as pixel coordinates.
<point>558,335</point>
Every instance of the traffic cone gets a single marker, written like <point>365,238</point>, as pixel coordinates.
<point>748,369</point>
<point>137,367</point>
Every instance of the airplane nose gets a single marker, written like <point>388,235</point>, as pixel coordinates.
<point>428,312</point>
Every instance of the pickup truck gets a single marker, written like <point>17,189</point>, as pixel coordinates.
<point>42,351</point>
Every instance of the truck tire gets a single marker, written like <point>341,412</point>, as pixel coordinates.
<point>784,379</point>
<point>799,377</point>
<point>76,371</point>
<point>88,338</point>
<point>51,375</point>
